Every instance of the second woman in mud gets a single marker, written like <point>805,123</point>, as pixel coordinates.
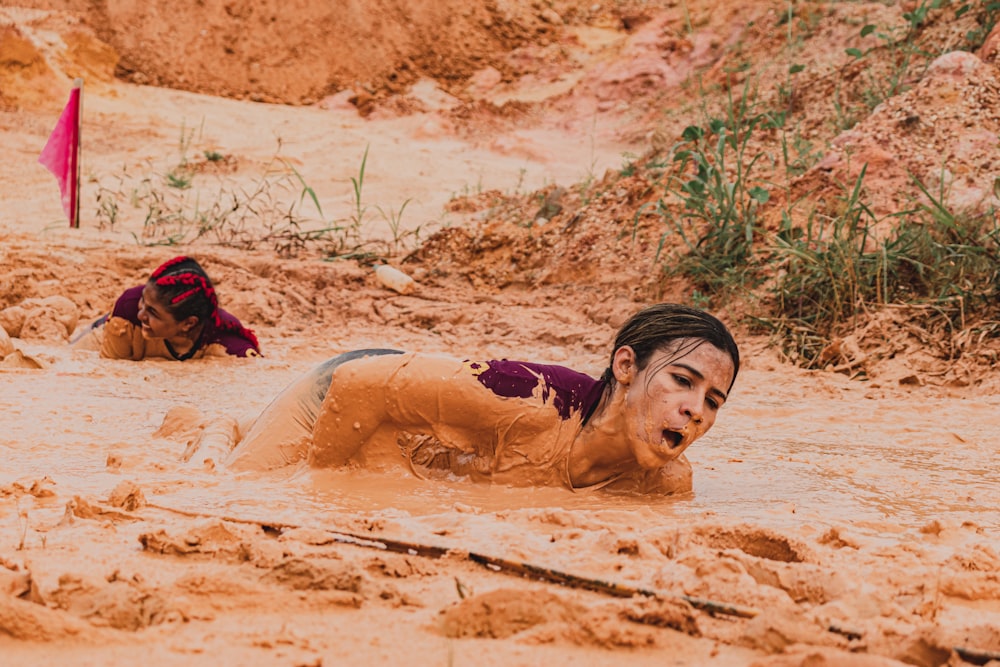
<point>174,315</point>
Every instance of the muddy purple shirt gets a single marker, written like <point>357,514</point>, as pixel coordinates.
<point>568,391</point>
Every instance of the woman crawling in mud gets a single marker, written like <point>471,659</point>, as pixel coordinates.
<point>175,315</point>
<point>513,422</point>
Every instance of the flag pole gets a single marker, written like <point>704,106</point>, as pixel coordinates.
<point>75,168</point>
<point>61,154</point>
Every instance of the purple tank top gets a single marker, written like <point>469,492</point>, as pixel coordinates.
<point>569,391</point>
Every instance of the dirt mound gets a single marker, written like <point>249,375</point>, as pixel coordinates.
<point>940,134</point>
<point>586,237</point>
<point>40,50</point>
<point>903,117</point>
<point>505,612</point>
<point>370,52</point>
<point>267,51</point>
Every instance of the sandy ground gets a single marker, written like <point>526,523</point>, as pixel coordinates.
<point>856,523</point>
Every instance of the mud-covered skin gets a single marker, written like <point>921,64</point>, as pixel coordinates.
<point>281,434</point>
<point>669,407</point>
<point>634,436</point>
<point>652,414</point>
<point>373,401</point>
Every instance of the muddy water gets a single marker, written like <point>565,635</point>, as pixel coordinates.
<point>876,487</point>
<point>878,468</point>
<point>880,464</point>
<point>874,484</point>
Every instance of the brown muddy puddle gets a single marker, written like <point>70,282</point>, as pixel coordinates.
<point>877,486</point>
<point>776,483</point>
<point>88,425</point>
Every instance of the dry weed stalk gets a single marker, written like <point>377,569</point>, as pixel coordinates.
<point>277,210</point>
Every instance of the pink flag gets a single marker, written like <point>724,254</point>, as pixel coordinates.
<point>61,154</point>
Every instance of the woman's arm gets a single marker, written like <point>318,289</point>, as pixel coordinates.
<point>122,335</point>
<point>352,411</point>
<point>121,340</point>
<point>413,393</point>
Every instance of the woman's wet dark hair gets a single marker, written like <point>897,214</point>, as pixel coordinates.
<point>656,327</point>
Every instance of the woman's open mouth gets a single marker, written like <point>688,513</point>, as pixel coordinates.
<point>672,439</point>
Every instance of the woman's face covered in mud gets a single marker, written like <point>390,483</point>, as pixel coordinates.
<point>156,319</point>
<point>674,400</point>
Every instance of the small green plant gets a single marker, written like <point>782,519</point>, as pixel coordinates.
<point>306,189</point>
<point>179,179</point>
<point>834,271</point>
<point>801,20</point>
<point>798,154</point>
<point>699,300</point>
<point>469,190</point>
<point>394,219</point>
<point>585,188</point>
<point>229,214</point>
<point>358,183</point>
<point>845,114</point>
<point>899,54</point>
<point>628,167</point>
<point>918,15</point>
<point>963,260</point>
<point>108,203</point>
<point>181,175</point>
<point>356,222</point>
<point>688,27</point>
<point>521,173</point>
<point>279,209</point>
<point>712,183</point>
<point>826,265</point>
<point>986,19</point>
